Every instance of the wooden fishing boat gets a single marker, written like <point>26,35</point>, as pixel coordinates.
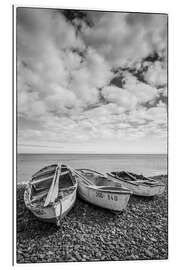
<point>97,189</point>
<point>51,193</point>
<point>138,184</point>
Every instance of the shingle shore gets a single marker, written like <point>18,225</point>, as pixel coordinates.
<point>90,233</point>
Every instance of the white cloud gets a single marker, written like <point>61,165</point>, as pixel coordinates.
<point>142,91</point>
<point>156,74</point>
<point>163,91</point>
<point>120,96</point>
<point>125,38</point>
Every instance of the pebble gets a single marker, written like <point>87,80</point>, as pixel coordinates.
<point>133,257</point>
<point>121,245</point>
<point>148,253</point>
<point>50,253</point>
<point>103,257</point>
<point>76,247</point>
<point>41,256</point>
<point>78,256</point>
<point>114,258</point>
<point>153,239</point>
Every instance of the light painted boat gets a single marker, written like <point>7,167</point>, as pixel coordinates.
<point>51,193</point>
<point>138,184</point>
<point>97,189</point>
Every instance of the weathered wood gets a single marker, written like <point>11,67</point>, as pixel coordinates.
<point>39,196</point>
<point>80,175</point>
<point>59,206</point>
<point>56,186</point>
<point>46,179</point>
<point>41,180</point>
<point>93,171</point>
<point>131,176</point>
<point>42,173</point>
<point>48,198</point>
<point>151,179</point>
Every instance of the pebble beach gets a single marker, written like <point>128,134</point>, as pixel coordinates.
<point>90,233</point>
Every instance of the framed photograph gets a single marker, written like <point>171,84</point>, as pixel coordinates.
<point>91,123</point>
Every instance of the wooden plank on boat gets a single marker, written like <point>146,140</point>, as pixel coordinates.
<point>56,186</point>
<point>85,179</point>
<point>81,176</point>
<point>63,173</point>
<point>46,179</point>
<point>48,198</point>
<point>39,196</point>
<point>42,173</point>
<point>131,176</point>
<point>93,171</point>
<point>41,180</point>
<point>151,179</point>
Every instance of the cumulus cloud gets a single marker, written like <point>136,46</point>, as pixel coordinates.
<point>64,77</point>
<point>120,96</point>
<point>142,91</point>
<point>156,74</point>
<point>125,38</point>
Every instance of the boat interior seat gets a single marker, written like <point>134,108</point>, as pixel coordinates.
<point>35,191</point>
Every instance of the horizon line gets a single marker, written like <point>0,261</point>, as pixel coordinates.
<point>89,153</point>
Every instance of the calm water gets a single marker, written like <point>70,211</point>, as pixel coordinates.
<point>149,164</point>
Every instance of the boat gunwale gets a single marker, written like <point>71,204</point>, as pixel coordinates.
<point>41,170</point>
<point>88,183</point>
<point>96,188</point>
<point>91,171</point>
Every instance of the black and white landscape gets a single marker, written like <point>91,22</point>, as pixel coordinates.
<point>92,93</point>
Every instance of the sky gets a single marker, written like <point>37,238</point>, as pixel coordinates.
<point>91,82</point>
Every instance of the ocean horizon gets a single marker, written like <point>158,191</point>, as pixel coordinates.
<point>147,164</point>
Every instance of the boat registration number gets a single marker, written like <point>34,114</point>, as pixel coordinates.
<point>112,197</point>
<point>109,196</point>
<point>99,194</point>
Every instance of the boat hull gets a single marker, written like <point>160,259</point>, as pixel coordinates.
<point>141,189</point>
<point>115,201</point>
<point>53,213</point>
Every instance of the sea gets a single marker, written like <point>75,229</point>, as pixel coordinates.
<point>146,164</point>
